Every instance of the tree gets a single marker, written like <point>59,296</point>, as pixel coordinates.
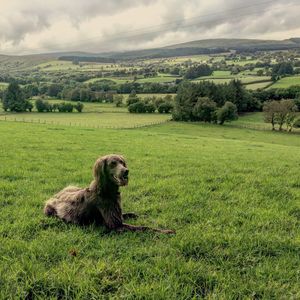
<point>14,98</point>
<point>228,112</point>
<point>118,100</point>
<point>284,68</point>
<point>75,94</point>
<point>205,110</point>
<point>297,102</point>
<point>289,110</point>
<point>198,71</point>
<point>54,89</point>
<point>281,112</point>
<point>270,109</point>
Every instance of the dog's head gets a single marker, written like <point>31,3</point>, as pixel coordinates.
<point>111,169</point>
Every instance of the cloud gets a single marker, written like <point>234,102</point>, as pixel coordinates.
<point>98,25</point>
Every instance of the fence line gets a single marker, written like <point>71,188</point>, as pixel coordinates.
<point>86,125</point>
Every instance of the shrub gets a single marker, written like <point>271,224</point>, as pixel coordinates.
<point>43,106</point>
<point>118,100</point>
<point>65,107</point>
<point>132,100</point>
<point>79,106</point>
<point>137,107</point>
<point>228,112</point>
<point>150,108</point>
<point>165,108</point>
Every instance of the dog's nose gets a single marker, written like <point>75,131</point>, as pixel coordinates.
<point>126,172</point>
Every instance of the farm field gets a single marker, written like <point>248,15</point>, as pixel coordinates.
<point>286,82</point>
<point>231,194</point>
<point>106,120</point>
<point>158,79</point>
<point>116,80</point>
<point>259,85</point>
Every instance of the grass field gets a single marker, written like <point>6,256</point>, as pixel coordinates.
<point>259,85</point>
<point>231,194</point>
<point>251,82</point>
<point>114,120</point>
<point>116,80</point>
<point>286,82</point>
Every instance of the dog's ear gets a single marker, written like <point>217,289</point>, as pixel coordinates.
<point>100,169</point>
<point>121,157</point>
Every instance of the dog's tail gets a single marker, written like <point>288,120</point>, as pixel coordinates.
<point>49,210</point>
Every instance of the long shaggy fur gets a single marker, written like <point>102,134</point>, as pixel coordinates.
<point>99,203</point>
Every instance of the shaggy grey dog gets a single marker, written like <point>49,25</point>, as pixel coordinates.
<point>100,203</point>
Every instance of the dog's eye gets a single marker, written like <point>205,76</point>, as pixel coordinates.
<point>113,163</point>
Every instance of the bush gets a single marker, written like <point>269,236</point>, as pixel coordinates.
<point>137,107</point>
<point>65,107</point>
<point>205,110</point>
<point>228,112</point>
<point>132,100</point>
<point>118,100</point>
<point>79,106</point>
<point>43,106</point>
<point>165,108</point>
<point>150,108</point>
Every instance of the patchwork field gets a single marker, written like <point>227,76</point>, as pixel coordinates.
<point>286,82</point>
<point>232,194</point>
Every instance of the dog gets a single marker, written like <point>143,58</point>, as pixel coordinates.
<point>99,203</point>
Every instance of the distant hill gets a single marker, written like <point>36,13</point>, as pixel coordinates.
<point>208,46</point>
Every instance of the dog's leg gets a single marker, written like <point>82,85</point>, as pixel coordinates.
<point>128,227</point>
<point>130,215</point>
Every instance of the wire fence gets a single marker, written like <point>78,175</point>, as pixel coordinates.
<point>79,124</point>
<point>262,127</point>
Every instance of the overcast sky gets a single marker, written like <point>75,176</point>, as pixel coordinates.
<point>31,26</point>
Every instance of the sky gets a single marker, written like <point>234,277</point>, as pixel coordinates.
<point>40,26</point>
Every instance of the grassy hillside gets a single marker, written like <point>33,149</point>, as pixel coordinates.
<point>231,194</point>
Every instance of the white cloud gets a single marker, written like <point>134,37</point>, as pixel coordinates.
<point>97,25</point>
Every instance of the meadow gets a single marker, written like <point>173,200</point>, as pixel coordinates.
<point>286,82</point>
<point>99,120</point>
<point>232,195</point>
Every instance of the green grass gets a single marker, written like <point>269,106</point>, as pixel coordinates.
<point>158,79</point>
<point>259,85</point>
<point>220,77</point>
<point>286,82</point>
<point>115,120</point>
<point>3,85</point>
<point>231,194</point>
<point>255,121</point>
<point>116,80</point>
